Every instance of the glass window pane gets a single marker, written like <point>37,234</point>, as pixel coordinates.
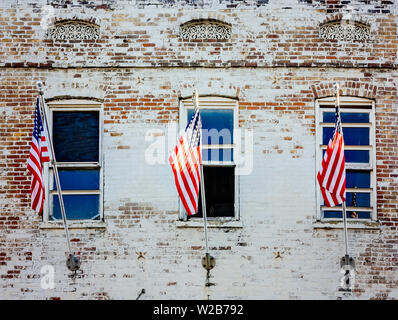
<point>358,156</point>
<point>220,192</point>
<point>352,136</point>
<point>77,206</point>
<point>217,154</point>
<point>350,214</point>
<point>362,199</point>
<point>327,134</point>
<point>76,136</point>
<point>82,179</point>
<point>352,117</point>
<point>217,125</point>
<point>359,179</point>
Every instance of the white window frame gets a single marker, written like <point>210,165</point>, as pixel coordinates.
<point>216,103</point>
<point>359,105</point>
<point>75,105</point>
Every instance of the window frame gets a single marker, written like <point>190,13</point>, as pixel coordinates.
<point>75,105</point>
<point>356,105</point>
<point>215,103</point>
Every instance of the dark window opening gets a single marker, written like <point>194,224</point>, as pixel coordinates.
<point>76,136</point>
<point>220,192</point>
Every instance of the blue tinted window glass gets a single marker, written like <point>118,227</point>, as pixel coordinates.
<point>217,125</point>
<point>359,156</point>
<point>214,136</point>
<point>349,214</point>
<point>359,179</point>
<point>77,206</point>
<point>327,134</point>
<point>359,214</point>
<point>76,136</point>
<point>352,136</point>
<point>78,179</point>
<point>346,117</point>
<point>362,199</point>
<point>217,154</point>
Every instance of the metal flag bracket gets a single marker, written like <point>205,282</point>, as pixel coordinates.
<point>347,261</point>
<point>73,263</point>
<point>347,268</point>
<point>208,262</point>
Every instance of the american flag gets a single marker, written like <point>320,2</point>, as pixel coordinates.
<point>185,160</point>
<point>39,154</point>
<point>331,176</point>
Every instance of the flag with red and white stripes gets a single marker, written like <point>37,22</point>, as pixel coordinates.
<point>185,161</point>
<point>331,176</point>
<point>39,154</point>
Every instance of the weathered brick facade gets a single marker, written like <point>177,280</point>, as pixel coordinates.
<point>276,65</point>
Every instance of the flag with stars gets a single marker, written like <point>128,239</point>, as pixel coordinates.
<point>331,176</point>
<point>38,155</point>
<point>185,160</point>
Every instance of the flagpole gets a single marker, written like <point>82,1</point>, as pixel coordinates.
<point>208,261</point>
<point>202,180</point>
<point>347,263</point>
<point>337,88</point>
<point>73,262</point>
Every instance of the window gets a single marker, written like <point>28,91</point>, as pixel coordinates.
<point>219,123</point>
<point>357,116</point>
<point>76,131</point>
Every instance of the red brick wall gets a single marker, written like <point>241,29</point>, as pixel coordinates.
<point>276,65</point>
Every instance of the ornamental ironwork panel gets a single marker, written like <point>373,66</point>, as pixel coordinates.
<point>74,30</point>
<point>345,31</point>
<point>205,30</point>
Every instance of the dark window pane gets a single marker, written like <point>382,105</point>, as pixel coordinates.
<point>87,179</point>
<point>77,206</point>
<point>352,136</point>
<point>349,214</point>
<point>217,154</point>
<point>327,134</point>
<point>362,199</point>
<point>359,156</point>
<point>220,192</point>
<point>76,136</point>
<point>356,178</point>
<point>332,214</point>
<point>217,125</point>
<point>346,117</point>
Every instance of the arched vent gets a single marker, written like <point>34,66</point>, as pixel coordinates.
<point>205,29</point>
<point>74,30</point>
<point>344,30</point>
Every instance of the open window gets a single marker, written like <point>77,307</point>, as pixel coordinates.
<point>219,122</point>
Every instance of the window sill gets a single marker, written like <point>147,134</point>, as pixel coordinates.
<point>84,224</point>
<point>338,224</point>
<point>216,223</point>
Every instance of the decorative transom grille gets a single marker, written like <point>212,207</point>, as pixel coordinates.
<point>74,30</point>
<point>344,30</point>
<point>205,30</point>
